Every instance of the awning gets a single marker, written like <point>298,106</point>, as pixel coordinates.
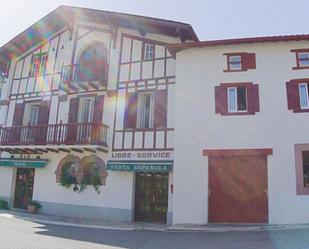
<point>141,166</point>
<point>23,163</point>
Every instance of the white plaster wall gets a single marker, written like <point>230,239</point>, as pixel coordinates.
<point>197,127</point>
<point>116,194</point>
<point>7,178</point>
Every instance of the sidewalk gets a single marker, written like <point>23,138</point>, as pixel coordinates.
<point>141,226</point>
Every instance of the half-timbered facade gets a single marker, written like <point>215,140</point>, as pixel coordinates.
<point>87,99</point>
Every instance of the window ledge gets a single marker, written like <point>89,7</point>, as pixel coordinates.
<point>232,71</point>
<point>301,110</point>
<point>238,113</point>
<point>299,68</point>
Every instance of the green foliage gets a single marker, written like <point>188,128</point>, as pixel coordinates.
<point>91,177</point>
<point>35,203</point>
<point>4,204</point>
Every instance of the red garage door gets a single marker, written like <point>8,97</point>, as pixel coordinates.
<point>238,189</point>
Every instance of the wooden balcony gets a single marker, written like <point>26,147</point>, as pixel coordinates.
<point>86,77</point>
<point>55,135</point>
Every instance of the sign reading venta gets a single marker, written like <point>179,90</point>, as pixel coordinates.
<point>139,166</point>
<point>22,163</point>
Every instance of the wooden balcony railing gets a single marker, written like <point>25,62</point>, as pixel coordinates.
<point>55,134</point>
<point>84,73</point>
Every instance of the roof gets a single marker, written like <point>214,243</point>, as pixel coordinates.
<point>65,15</point>
<point>175,48</point>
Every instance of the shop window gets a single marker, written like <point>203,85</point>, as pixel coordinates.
<point>302,168</point>
<point>305,157</point>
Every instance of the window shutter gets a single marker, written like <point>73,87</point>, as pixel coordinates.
<point>160,109</point>
<point>72,120</point>
<point>253,99</point>
<point>43,119</point>
<point>248,61</point>
<point>130,111</point>
<point>18,114</point>
<point>73,110</point>
<point>293,95</point>
<point>221,99</point>
<point>17,121</point>
<point>98,109</point>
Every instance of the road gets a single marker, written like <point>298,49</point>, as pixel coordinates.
<point>20,234</point>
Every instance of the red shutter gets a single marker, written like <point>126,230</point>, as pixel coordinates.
<point>248,61</point>
<point>253,99</point>
<point>221,99</point>
<point>98,110</point>
<point>72,121</point>
<point>41,131</point>
<point>17,121</point>
<point>293,95</point>
<point>130,111</point>
<point>97,130</point>
<point>18,114</point>
<point>160,109</point>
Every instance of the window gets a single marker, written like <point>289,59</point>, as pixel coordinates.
<point>145,110</point>
<point>302,58</point>
<point>237,99</point>
<point>38,65</point>
<point>303,95</point>
<point>149,51</point>
<point>235,62</point>
<point>85,114</point>
<point>240,62</point>
<point>305,157</point>
<point>298,95</point>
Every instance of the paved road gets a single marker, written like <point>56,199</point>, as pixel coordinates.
<point>19,234</point>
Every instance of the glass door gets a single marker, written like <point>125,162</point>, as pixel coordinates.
<point>24,187</point>
<point>151,197</point>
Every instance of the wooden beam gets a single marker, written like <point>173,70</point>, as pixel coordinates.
<point>53,150</point>
<point>90,150</point>
<point>102,149</point>
<point>93,85</point>
<point>42,150</point>
<point>65,150</point>
<point>77,150</point>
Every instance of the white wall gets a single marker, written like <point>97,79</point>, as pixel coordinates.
<point>197,127</point>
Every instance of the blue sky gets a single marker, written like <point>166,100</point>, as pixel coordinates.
<point>211,19</point>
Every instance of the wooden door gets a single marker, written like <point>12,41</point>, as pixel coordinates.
<point>24,187</point>
<point>238,189</point>
<point>151,197</point>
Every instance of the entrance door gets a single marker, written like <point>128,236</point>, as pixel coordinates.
<point>151,197</point>
<point>24,187</point>
<point>238,189</point>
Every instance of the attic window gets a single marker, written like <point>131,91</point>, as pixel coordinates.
<point>38,65</point>
<point>149,51</point>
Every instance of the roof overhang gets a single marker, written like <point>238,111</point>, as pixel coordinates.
<point>175,48</point>
<point>65,16</point>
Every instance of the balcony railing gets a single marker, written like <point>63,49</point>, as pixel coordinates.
<point>55,134</point>
<point>85,72</point>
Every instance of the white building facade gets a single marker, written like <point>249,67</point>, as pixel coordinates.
<point>126,118</point>
<point>87,115</point>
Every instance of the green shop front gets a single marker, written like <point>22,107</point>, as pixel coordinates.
<point>25,174</point>
<point>151,187</point>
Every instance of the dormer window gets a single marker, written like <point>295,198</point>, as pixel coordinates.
<point>149,51</point>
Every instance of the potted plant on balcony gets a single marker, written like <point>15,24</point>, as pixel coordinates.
<point>34,206</point>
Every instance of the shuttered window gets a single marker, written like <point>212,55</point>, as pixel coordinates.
<point>240,62</point>
<point>237,99</point>
<point>298,95</point>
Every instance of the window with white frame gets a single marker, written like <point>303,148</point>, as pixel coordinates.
<point>38,65</point>
<point>145,110</point>
<point>237,99</point>
<point>149,51</point>
<point>85,114</point>
<point>304,95</point>
<point>234,62</point>
<point>303,59</point>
